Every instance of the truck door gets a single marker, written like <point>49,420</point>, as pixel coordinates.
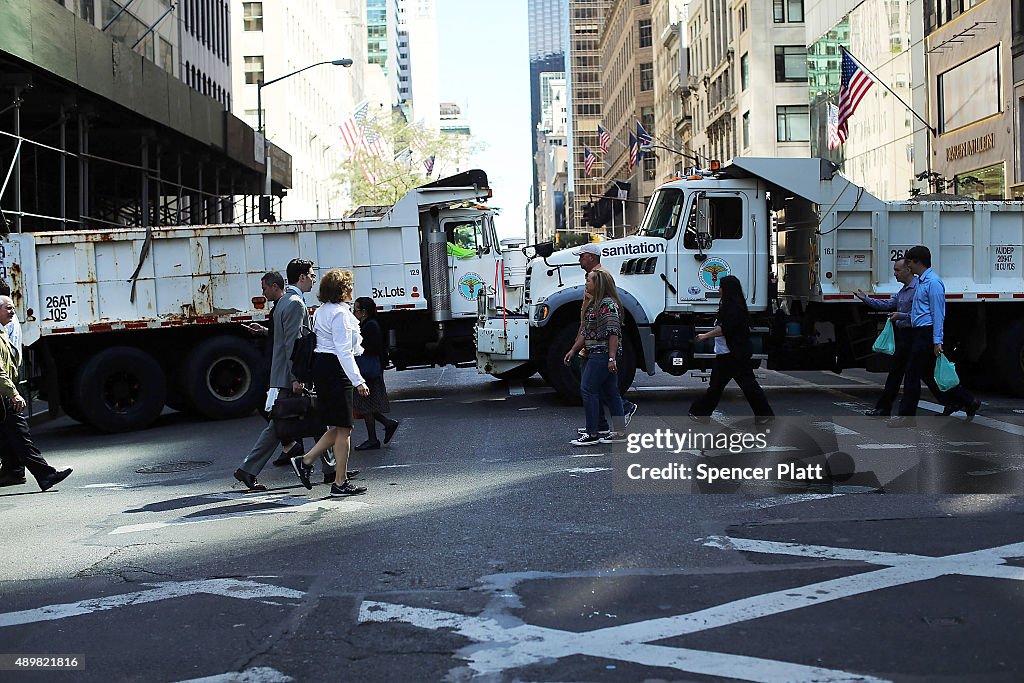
<point>715,243</point>
<point>471,261</point>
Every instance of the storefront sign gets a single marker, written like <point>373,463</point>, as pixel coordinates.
<point>975,146</point>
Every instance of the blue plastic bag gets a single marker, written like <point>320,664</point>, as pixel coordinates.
<point>886,342</point>
<point>945,373</point>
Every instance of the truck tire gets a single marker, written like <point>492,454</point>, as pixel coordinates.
<point>221,378</point>
<point>566,379</point>
<point>1010,358</point>
<point>120,389</point>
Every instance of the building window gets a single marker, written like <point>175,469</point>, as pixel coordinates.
<point>647,119</point>
<point>253,69</point>
<point>793,123</point>
<point>790,63</point>
<point>252,16</point>
<point>646,77</point>
<point>645,33</point>
<point>746,129</point>
<point>742,13</point>
<point>788,11</point>
<point>650,166</point>
<point>983,184</point>
<point>745,71</point>
<point>969,92</point>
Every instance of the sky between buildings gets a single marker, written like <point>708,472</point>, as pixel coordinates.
<point>485,69</point>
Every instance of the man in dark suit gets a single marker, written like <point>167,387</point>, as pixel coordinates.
<point>17,452</point>
<point>290,319</point>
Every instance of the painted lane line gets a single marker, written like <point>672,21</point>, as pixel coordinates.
<point>230,588</point>
<point>588,470</point>
<point>416,400</point>
<point>588,455</point>
<point>884,446</point>
<point>521,645</point>
<point>991,423</point>
<point>259,674</point>
<point>516,389</point>
<point>985,563</point>
<point>833,428</point>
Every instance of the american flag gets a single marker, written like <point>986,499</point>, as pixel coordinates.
<point>833,126</point>
<point>353,130</point>
<point>603,139</point>
<point>633,152</point>
<point>588,160</point>
<point>855,84</point>
<point>428,164</point>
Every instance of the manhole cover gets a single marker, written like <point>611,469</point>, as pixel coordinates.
<point>169,467</point>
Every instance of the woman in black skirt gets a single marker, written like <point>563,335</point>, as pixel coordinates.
<point>371,365</point>
<point>732,356</point>
<point>335,372</point>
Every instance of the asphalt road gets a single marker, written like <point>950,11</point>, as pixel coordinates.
<point>488,548</point>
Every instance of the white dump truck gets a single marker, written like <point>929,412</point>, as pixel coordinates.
<point>829,238</point>
<point>122,322</point>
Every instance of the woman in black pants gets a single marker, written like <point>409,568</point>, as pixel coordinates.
<point>371,365</point>
<point>732,356</point>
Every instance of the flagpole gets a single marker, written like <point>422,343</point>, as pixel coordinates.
<point>882,83</point>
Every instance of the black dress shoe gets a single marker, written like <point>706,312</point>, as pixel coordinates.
<point>11,479</point>
<point>249,481</point>
<point>368,445</point>
<point>949,409</point>
<point>51,480</point>
<point>389,430</point>
<point>875,412</point>
<point>973,408</point>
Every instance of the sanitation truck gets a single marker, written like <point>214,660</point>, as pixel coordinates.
<point>121,322</point>
<point>829,238</point>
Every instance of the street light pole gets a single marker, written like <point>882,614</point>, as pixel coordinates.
<point>260,85</point>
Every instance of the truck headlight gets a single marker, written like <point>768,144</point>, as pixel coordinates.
<point>541,312</point>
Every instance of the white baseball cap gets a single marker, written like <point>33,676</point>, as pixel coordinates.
<point>589,248</point>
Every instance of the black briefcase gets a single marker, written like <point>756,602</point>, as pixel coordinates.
<point>296,417</point>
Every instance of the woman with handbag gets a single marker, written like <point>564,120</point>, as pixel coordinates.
<point>371,365</point>
<point>335,373</point>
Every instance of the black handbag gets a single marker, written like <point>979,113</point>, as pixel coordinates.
<point>302,357</point>
<point>296,416</point>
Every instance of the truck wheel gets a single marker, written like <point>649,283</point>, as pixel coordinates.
<point>120,389</point>
<point>1010,358</point>
<point>221,378</point>
<point>520,373</point>
<point>566,380</point>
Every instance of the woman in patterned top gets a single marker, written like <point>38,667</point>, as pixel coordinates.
<point>600,335</point>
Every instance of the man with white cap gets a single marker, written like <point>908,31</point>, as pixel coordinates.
<point>590,259</point>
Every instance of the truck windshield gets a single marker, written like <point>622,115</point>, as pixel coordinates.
<point>659,220</point>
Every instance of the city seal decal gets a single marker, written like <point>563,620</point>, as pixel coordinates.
<point>712,271</point>
<point>469,286</point>
<point>694,290</point>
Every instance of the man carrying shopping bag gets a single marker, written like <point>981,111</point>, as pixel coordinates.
<point>927,315</point>
<point>900,305</point>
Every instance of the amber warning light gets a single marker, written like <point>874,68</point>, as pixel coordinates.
<point>259,302</point>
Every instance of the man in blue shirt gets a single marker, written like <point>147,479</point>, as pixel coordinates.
<point>900,305</point>
<point>927,315</point>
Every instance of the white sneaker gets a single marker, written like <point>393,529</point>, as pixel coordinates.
<point>614,437</point>
<point>587,440</point>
